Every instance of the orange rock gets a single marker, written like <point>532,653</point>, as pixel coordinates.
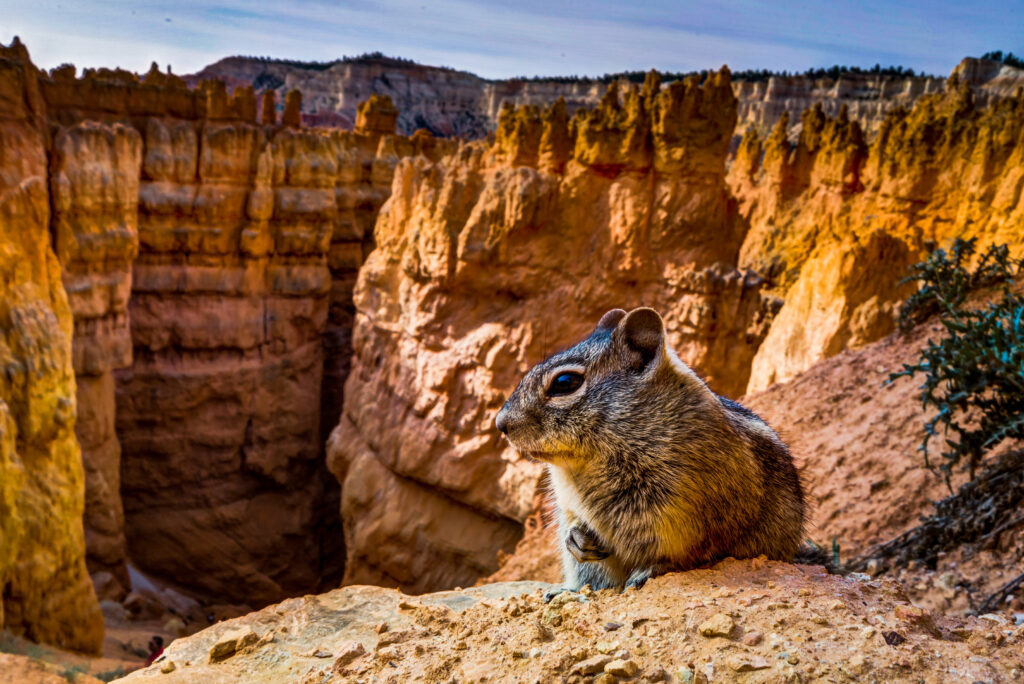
<point>94,181</point>
<point>268,109</point>
<point>377,114</point>
<point>46,592</point>
<point>944,169</point>
<point>292,116</point>
<point>846,296</point>
<point>209,265</point>
<point>483,268</point>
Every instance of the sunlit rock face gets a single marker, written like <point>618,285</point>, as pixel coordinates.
<point>834,222</point>
<point>493,258</point>
<point>45,592</point>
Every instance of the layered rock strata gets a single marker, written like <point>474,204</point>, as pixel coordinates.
<point>457,103</point>
<point>492,258</point>
<point>45,592</point>
<point>249,242</point>
<point>867,98</point>
<point>835,222</point>
<point>94,181</point>
<point>209,263</point>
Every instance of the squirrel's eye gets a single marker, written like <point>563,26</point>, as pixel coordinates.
<point>565,383</point>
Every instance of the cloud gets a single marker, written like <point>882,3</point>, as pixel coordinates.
<point>503,39</point>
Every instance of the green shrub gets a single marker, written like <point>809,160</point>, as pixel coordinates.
<point>945,281</point>
<point>1009,58</point>
<point>974,375</point>
<point>110,675</point>
<point>73,672</point>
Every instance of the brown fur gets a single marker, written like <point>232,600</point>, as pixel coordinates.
<point>650,469</point>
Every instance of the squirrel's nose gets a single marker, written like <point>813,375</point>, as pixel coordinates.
<point>502,422</point>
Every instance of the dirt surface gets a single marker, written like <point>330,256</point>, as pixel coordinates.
<point>124,651</point>
<point>20,669</point>
<point>755,619</point>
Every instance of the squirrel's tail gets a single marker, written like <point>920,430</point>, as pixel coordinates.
<point>810,553</point>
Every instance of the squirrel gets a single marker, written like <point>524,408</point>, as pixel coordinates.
<point>651,471</point>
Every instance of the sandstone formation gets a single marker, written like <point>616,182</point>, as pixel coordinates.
<point>45,592</point>
<point>868,98</point>
<point>457,103</point>
<point>834,222</point>
<point>249,242</point>
<point>208,263</point>
<point>94,181</point>
<point>489,260</point>
<point>751,620</point>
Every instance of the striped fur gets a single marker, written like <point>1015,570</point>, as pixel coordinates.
<point>651,464</point>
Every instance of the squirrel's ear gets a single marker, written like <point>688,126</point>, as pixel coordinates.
<point>611,319</point>
<point>643,331</point>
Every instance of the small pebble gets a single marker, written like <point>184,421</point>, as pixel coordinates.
<point>658,674</point>
<point>591,665</point>
<point>611,626</point>
<point>719,625</point>
<point>622,668</point>
<point>748,663</point>
<point>347,652</point>
<point>752,638</point>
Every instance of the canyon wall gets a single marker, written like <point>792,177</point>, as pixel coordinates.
<point>834,222</point>
<point>457,103</point>
<point>250,238</point>
<point>45,592</point>
<point>208,263</point>
<point>94,181</point>
<point>867,98</point>
<point>492,258</point>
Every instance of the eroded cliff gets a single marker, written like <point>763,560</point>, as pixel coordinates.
<point>492,258</point>
<point>208,263</point>
<point>457,103</point>
<point>45,589</point>
<point>834,222</point>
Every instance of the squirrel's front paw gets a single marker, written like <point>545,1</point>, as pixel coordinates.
<point>555,591</point>
<point>638,579</point>
<point>584,545</point>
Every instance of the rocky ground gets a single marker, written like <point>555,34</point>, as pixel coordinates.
<point>753,620</point>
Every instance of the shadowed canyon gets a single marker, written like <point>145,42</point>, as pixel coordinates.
<point>254,356</point>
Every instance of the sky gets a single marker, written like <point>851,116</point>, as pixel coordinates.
<point>501,39</point>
